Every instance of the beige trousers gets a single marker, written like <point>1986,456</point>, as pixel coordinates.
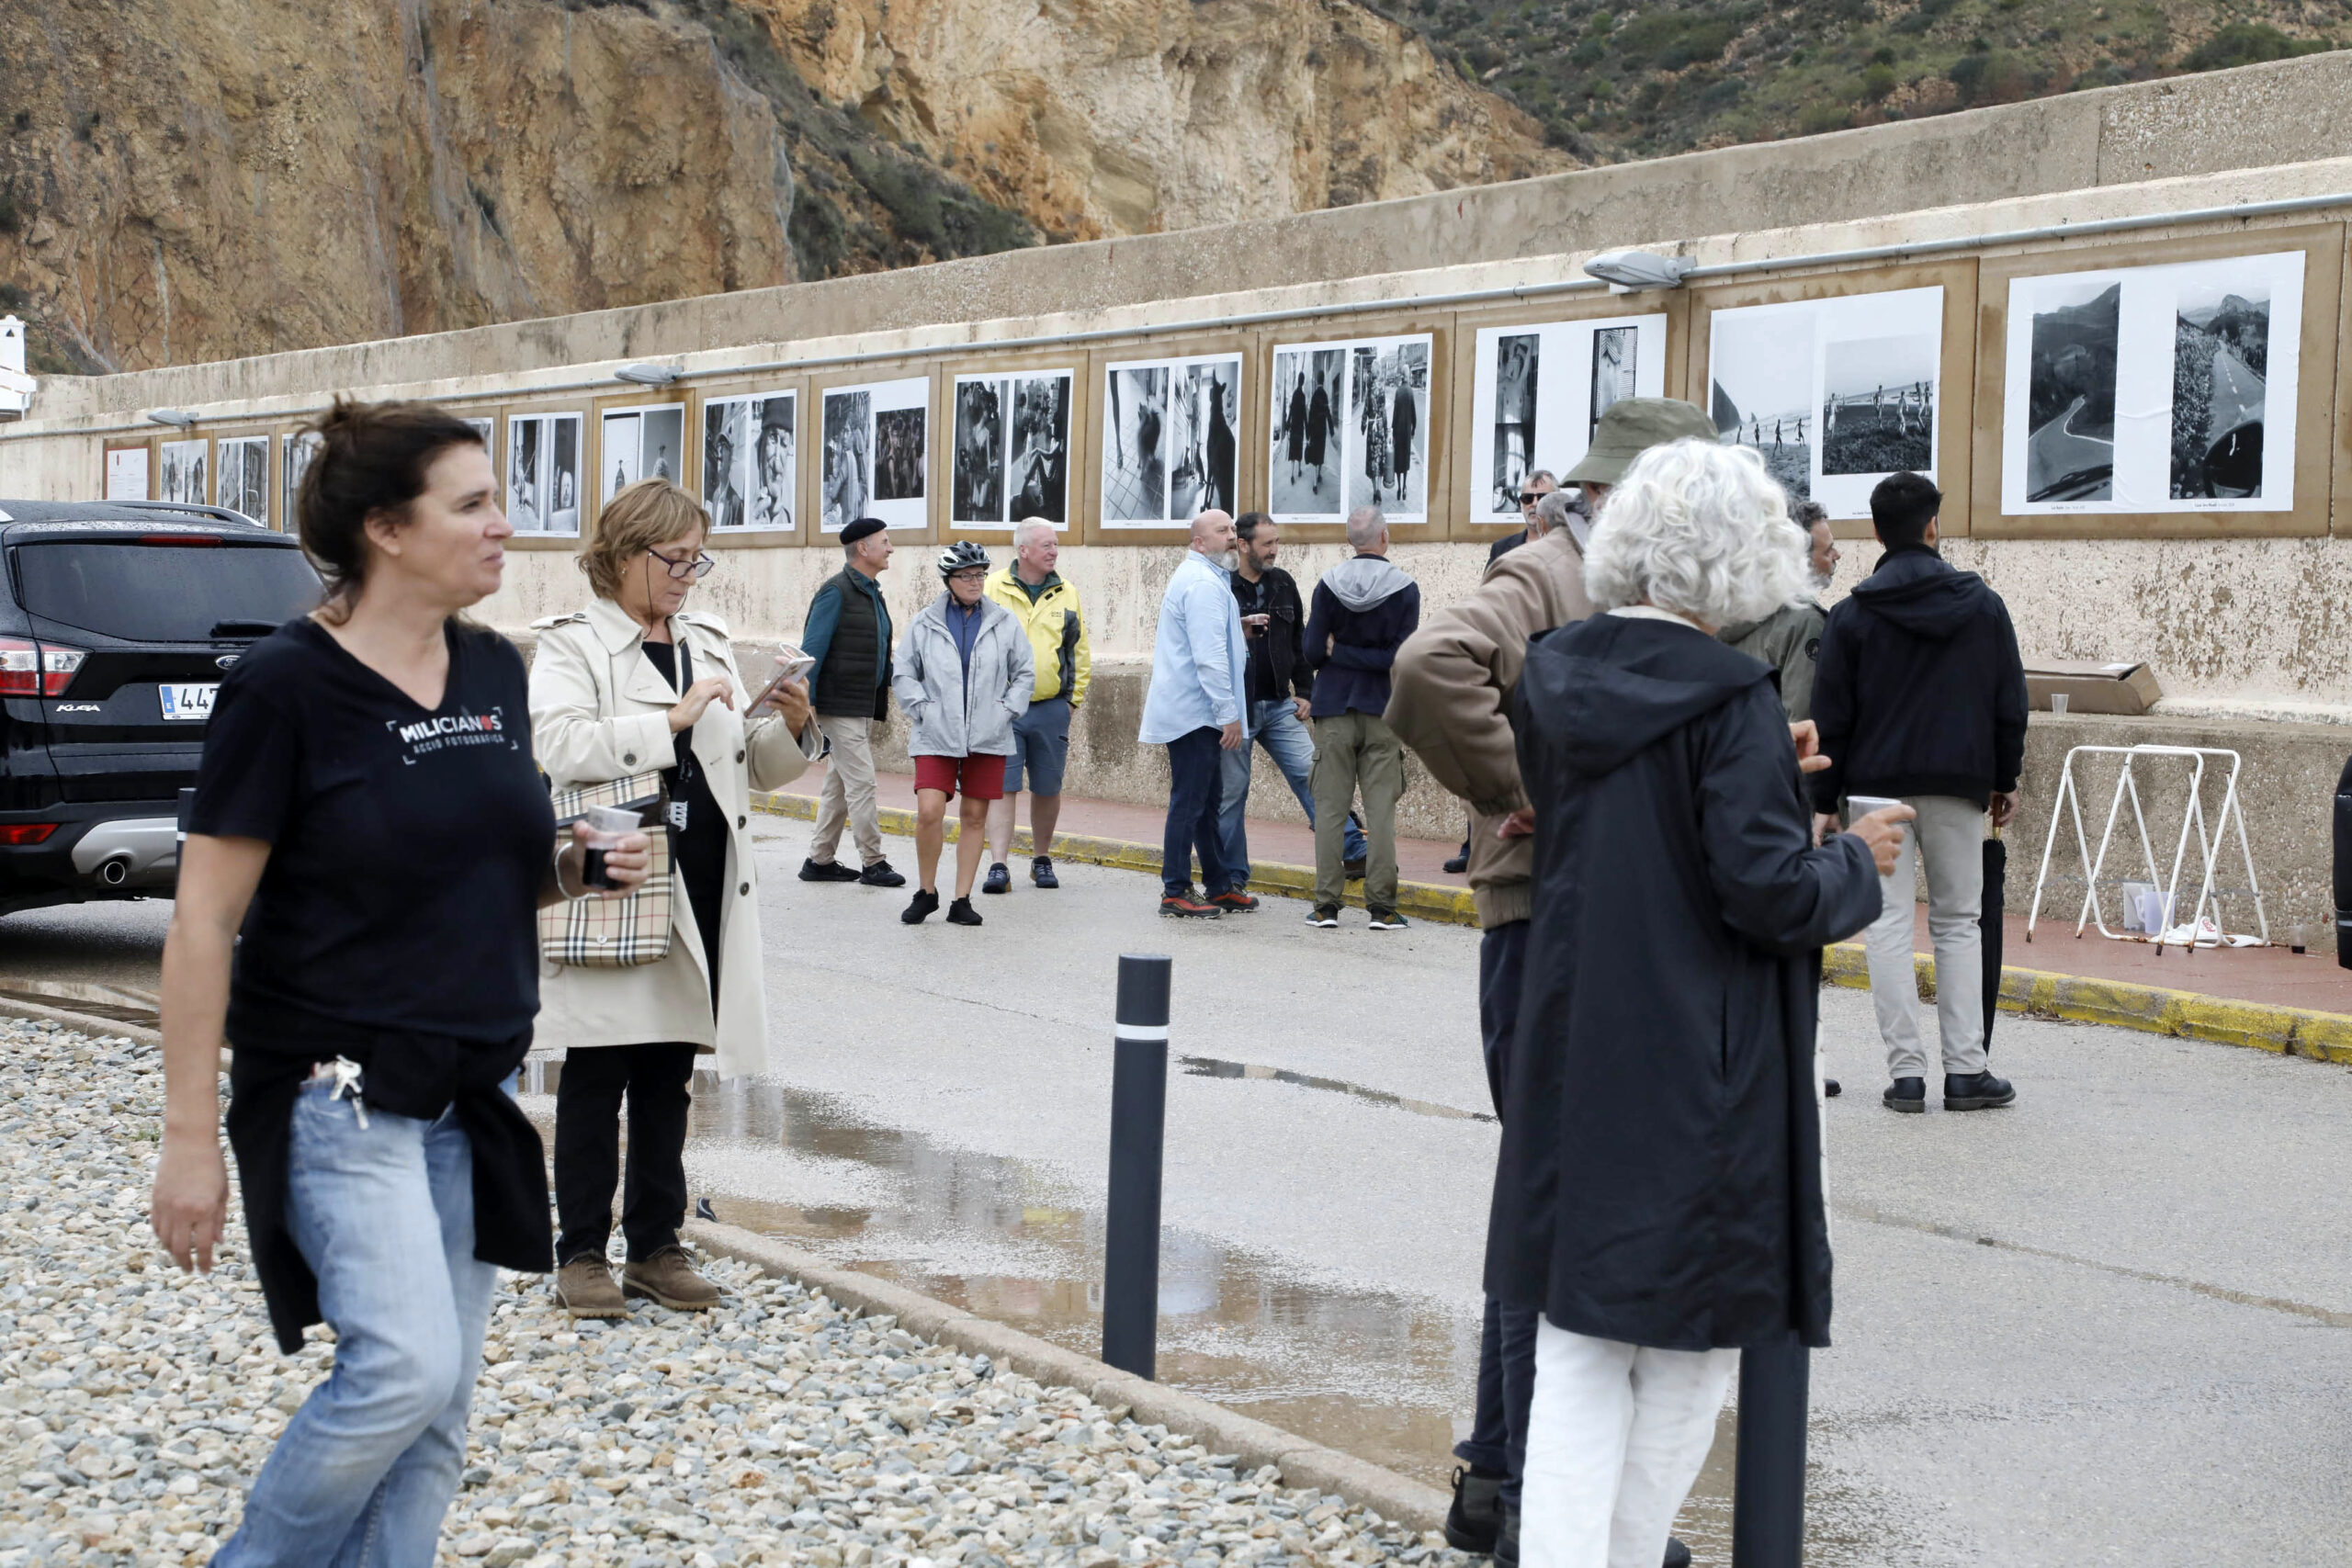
<point>848,796</point>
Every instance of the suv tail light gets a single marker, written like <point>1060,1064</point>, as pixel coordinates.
<point>14,834</point>
<point>37,670</point>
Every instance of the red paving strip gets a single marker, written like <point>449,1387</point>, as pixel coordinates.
<point>2267,975</point>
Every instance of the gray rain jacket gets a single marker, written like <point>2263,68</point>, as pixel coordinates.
<point>948,712</point>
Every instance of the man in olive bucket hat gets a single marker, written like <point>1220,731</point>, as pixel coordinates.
<point>1450,702</point>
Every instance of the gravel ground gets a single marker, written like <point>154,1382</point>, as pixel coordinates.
<point>136,1402</point>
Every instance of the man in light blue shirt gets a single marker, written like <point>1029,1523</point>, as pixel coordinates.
<point>1194,707</point>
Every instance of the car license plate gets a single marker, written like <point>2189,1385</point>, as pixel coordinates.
<point>191,703</point>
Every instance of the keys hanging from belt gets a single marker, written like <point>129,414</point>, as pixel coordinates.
<point>346,1075</point>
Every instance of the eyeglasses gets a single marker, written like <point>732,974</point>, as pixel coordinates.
<point>1530,497</point>
<point>698,567</point>
<point>969,574</point>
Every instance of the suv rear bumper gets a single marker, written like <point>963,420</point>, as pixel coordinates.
<point>111,850</point>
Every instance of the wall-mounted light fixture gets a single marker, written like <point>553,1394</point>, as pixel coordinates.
<point>178,419</point>
<point>647,375</point>
<point>1626,271</point>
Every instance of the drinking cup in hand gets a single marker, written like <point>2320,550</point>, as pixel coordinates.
<point>600,829</point>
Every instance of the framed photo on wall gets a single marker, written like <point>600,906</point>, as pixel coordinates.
<point>184,465</point>
<point>641,443</point>
<point>294,454</point>
<point>877,454</point>
<point>1349,426</point>
<point>127,472</point>
<point>750,461</point>
<point>1170,439</point>
<point>1011,448</point>
<point>1537,391</point>
<point>241,482</point>
<point>543,472</point>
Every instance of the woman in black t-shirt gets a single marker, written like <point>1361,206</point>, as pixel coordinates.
<point>633,684</point>
<point>368,811</point>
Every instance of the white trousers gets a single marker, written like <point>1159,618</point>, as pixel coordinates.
<point>1949,835</point>
<point>1615,1436</point>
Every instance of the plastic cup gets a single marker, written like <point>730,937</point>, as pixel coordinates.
<point>600,829</point>
<point>2057,702</point>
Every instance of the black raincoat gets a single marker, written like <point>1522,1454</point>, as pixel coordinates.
<point>1660,1182</point>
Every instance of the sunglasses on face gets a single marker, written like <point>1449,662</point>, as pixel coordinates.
<point>1530,497</point>
<point>696,566</point>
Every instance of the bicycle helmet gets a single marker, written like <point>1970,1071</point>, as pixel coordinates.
<point>959,556</point>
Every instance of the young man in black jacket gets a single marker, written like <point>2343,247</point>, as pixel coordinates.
<point>1279,687</point>
<point>1920,697</point>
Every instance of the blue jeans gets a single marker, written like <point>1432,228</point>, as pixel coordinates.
<point>384,1214</point>
<point>1276,727</point>
<point>1196,770</point>
<point>1498,1440</point>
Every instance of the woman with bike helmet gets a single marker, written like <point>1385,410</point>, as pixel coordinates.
<point>963,675</point>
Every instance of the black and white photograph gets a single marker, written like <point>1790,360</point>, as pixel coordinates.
<point>1388,428</point>
<point>1135,462</point>
<point>875,461</point>
<point>1536,392</point>
<point>543,472</point>
<point>183,469</point>
<point>1012,449</point>
<point>1877,404</point>
<point>1202,452</point>
<point>1309,404</point>
<point>294,460</point>
<point>487,428</point>
<point>2070,391</point>
<point>749,471</point>
<point>243,482</point>
<point>643,444</point>
<point>2220,388</point>
<point>1760,376</point>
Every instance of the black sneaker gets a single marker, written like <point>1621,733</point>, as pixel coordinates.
<point>1677,1555</point>
<point>1475,1521</point>
<point>1975,1091</point>
<point>1354,868</point>
<point>999,880</point>
<point>879,875</point>
<point>1831,1088</point>
<point>1184,905</point>
<point>1456,865</point>
<point>826,871</point>
<point>1906,1094</point>
<point>1324,915</point>
<point>925,906</point>
<point>1041,872</point>
<point>1388,920</point>
<point>961,913</point>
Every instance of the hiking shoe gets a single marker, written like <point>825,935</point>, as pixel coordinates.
<point>1354,868</point>
<point>1506,1552</point>
<point>1234,901</point>
<point>1185,906</point>
<point>961,913</point>
<point>1456,865</point>
<point>584,1288</point>
<point>668,1276</point>
<point>999,880</point>
<point>1906,1094</point>
<point>1324,915</point>
<point>1041,872</point>
<point>923,907</point>
<point>1388,920</point>
<point>1977,1091</point>
<point>826,871</point>
<point>879,875</point>
<point>1475,1520</point>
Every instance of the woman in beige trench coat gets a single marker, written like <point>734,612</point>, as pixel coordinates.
<point>633,682</point>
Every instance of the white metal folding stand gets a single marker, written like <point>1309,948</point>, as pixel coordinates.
<point>2232,814</point>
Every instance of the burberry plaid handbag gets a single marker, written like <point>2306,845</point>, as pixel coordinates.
<point>614,933</point>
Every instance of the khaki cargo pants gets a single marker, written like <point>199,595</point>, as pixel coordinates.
<point>1356,752</point>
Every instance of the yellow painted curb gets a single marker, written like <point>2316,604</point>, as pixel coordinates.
<point>1418,900</point>
<point>2184,1015</point>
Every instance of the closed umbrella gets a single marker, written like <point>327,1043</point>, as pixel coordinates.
<point>1996,876</point>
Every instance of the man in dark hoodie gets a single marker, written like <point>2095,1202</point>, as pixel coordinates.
<point>1920,696</point>
<point>1364,608</point>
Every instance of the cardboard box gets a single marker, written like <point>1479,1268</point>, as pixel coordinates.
<point>2123,686</point>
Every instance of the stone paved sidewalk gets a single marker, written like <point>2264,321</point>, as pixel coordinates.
<point>136,1404</point>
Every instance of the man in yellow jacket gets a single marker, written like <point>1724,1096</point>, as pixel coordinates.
<point>1046,608</point>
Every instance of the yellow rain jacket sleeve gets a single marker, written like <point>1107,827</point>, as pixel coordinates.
<point>1056,633</point>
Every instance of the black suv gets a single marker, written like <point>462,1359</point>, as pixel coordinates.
<point>116,621</point>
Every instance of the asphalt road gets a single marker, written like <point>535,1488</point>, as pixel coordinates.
<point>2112,1325</point>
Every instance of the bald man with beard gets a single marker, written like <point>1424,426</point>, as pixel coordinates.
<point>1196,708</point>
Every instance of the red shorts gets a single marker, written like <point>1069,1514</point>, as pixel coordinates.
<point>980,778</point>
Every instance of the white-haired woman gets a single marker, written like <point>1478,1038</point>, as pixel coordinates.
<point>1660,1194</point>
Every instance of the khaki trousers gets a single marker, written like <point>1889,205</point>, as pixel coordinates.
<point>1356,751</point>
<point>848,796</point>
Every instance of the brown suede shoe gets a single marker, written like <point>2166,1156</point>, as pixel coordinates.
<point>668,1276</point>
<point>584,1288</point>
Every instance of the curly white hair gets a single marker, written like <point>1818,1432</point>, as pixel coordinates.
<point>1700,529</point>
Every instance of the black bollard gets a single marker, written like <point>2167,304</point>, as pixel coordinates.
<point>1138,1131</point>
<point>1768,1487</point>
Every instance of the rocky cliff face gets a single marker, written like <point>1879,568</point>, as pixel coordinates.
<point>1098,118</point>
<point>185,180</point>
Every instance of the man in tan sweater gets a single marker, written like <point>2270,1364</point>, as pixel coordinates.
<point>1450,703</point>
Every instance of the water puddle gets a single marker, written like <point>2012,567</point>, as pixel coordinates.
<point>122,1004</point>
<point>1211,1067</point>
